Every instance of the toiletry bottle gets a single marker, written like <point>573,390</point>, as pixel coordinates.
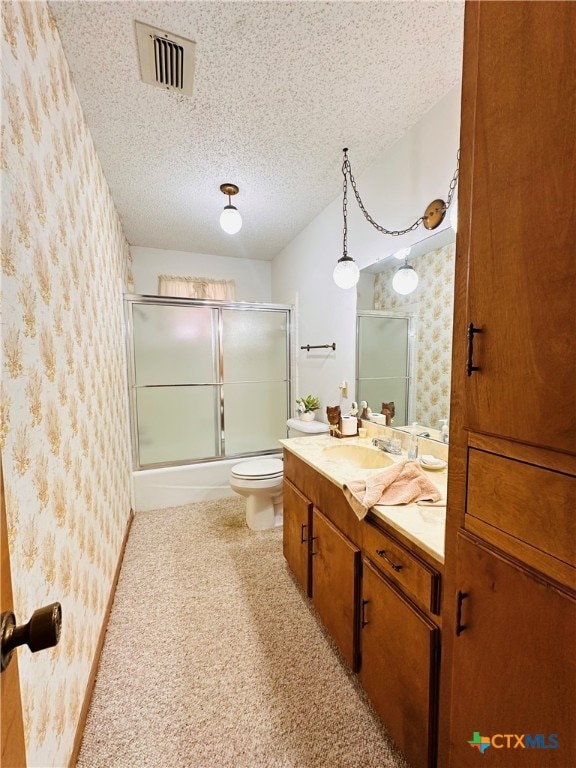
<point>413,444</point>
<point>444,430</point>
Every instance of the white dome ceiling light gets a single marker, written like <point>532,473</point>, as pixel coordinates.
<point>346,273</point>
<point>230,219</point>
<point>405,279</point>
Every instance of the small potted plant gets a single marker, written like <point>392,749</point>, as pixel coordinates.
<point>306,407</point>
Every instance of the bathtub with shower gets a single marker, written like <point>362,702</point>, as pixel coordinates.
<point>209,387</point>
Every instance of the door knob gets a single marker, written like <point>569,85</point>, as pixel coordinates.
<point>42,631</point>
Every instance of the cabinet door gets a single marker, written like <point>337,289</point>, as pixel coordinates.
<point>519,176</point>
<point>296,534</point>
<point>400,657</point>
<point>514,668</point>
<point>335,584</point>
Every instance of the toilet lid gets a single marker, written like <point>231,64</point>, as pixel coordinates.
<point>259,468</point>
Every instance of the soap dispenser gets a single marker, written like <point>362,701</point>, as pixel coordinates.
<point>413,444</point>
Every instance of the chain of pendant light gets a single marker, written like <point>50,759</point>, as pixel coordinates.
<point>347,173</point>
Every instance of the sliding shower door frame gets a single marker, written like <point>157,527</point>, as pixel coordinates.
<point>219,384</point>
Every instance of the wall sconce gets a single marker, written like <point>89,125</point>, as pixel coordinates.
<point>346,272</point>
<point>230,219</point>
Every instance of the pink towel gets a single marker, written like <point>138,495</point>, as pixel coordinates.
<point>401,483</point>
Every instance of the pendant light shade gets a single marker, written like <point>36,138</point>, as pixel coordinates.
<point>230,219</point>
<point>405,280</point>
<point>346,273</point>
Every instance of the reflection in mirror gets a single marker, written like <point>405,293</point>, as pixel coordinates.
<point>430,310</point>
<point>383,378</point>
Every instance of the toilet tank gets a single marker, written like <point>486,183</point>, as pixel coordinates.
<point>298,428</point>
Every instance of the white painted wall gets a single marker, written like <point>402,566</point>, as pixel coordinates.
<point>396,191</point>
<point>252,276</point>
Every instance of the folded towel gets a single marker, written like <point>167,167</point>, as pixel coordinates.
<point>402,483</point>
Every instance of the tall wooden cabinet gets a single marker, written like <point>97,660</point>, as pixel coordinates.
<point>509,613</point>
<point>513,656</point>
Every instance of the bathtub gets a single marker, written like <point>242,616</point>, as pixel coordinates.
<point>176,486</point>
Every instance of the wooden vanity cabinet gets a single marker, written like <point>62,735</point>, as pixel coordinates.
<point>321,541</point>
<point>509,608</point>
<point>296,534</point>
<point>400,642</point>
<point>400,650</point>
<point>336,581</point>
<point>377,597</point>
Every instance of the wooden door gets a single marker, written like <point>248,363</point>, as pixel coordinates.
<point>399,659</point>
<point>514,669</point>
<point>296,534</point>
<point>13,754</point>
<point>335,584</point>
<point>518,183</point>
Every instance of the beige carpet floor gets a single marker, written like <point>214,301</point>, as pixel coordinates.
<point>214,658</point>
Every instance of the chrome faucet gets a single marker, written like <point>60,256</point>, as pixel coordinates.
<point>382,443</point>
<point>387,444</point>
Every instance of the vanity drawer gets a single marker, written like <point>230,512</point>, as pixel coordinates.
<point>403,567</point>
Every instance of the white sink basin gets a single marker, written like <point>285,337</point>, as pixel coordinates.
<point>359,455</point>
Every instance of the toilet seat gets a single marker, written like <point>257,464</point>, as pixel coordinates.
<point>259,469</point>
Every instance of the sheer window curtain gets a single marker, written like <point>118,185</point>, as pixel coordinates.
<point>196,288</point>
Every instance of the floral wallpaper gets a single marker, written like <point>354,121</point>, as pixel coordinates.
<point>434,298</point>
<point>63,403</point>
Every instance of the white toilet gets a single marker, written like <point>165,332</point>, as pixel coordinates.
<point>260,480</point>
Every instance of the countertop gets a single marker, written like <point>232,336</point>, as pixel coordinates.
<point>422,525</point>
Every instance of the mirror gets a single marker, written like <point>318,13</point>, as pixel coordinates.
<point>404,343</point>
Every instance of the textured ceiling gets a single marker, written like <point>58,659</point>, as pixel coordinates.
<point>280,88</point>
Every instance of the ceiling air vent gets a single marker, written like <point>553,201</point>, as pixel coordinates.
<point>166,60</point>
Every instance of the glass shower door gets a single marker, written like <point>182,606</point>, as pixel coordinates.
<point>177,390</point>
<point>255,375</point>
<point>208,380</point>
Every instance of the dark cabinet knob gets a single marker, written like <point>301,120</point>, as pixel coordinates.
<point>42,631</point>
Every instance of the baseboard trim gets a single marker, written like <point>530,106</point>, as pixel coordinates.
<point>96,661</point>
